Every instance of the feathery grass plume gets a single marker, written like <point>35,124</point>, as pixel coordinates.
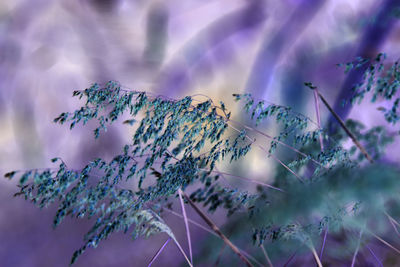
<point>179,143</point>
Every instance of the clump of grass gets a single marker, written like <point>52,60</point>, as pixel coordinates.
<point>323,192</point>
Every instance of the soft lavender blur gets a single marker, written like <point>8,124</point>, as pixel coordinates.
<point>48,48</point>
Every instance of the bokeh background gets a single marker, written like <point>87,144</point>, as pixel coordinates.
<point>49,48</point>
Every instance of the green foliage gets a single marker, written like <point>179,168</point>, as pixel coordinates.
<point>178,143</point>
<point>381,81</point>
<point>167,130</point>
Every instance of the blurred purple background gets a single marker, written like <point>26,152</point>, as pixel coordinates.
<point>48,48</point>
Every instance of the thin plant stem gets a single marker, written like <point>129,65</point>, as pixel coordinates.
<point>375,257</point>
<point>275,158</point>
<point>385,242</point>
<point>191,221</point>
<point>394,226</point>
<point>323,243</point>
<point>287,168</point>
<point>185,219</point>
<point>181,250</point>
<point>290,259</point>
<point>213,233</point>
<point>392,219</point>
<point>158,252</point>
<point>219,255</point>
<point>239,177</point>
<point>183,253</point>
<point>236,176</point>
<point>348,132</point>
<point>393,222</point>
<point>317,113</point>
<point>246,179</point>
<point>215,228</point>
<point>264,251</point>
<point>270,137</point>
<point>315,254</point>
<point>353,262</point>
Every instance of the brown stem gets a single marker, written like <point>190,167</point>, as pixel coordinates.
<point>350,134</point>
<point>218,231</point>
